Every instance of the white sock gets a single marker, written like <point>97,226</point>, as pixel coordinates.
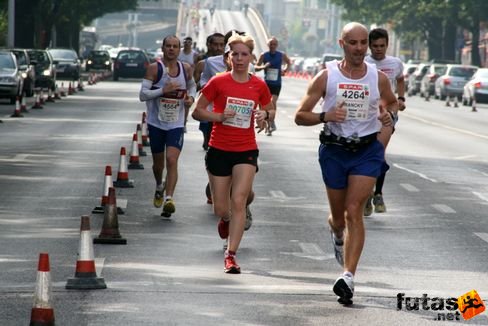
<point>159,187</point>
<point>348,274</point>
<point>167,197</point>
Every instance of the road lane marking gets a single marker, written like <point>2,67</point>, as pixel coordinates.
<point>465,157</point>
<point>480,196</point>
<point>277,194</point>
<point>463,131</point>
<point>423,176</point>
<point>483,236</point>
<point>409,187</point>
<point>444,208</point>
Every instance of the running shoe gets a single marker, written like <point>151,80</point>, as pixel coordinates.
<point>368,208</point>
<point>158,198</point>
<point>344,289</point>
<point>169,206</point>
<point>223,228</point>
<point>379,204</point>
<point>248,224</point>
<point>338,248</point>
<point>230,265</point>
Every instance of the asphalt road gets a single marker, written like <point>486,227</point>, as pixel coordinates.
<point>432,240</point>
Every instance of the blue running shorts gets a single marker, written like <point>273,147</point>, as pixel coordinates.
<point>160,139</point>
<point>337,164</point>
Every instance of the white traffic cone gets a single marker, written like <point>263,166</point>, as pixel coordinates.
<point>134,155</point>
<point>42,313</point>
<point>86,275</point>
<point>123,173</point>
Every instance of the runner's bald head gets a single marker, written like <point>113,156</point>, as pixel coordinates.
<point>354,26</point>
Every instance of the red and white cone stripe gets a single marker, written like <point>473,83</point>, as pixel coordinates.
<point>134,154</point>
<point>123,173</point>
<point>107,183</point>
<point>42,312</point>
<point>85,265</point>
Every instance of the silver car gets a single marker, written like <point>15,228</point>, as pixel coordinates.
<point>476,88</point>
<point>452,82</point>
<point>10,77</point>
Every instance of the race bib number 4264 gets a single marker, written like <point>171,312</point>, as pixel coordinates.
<point>355,98</point>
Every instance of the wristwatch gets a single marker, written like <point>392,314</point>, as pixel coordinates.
<point>322,117</point>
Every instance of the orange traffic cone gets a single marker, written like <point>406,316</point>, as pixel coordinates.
<point>23,105</point>
<point>42,313</point>
<point>50,97</point>
<point>62,92</point>
<point>107,183</point>
<point>134,155</point>
<point>145,135</point>
<point>86,275</point>
<point>17,113</point>
<point>41,98</point>
<point>110,228</point>
<point>57,96</point>
<point>123,174</point>
<point>37,103</point>
<point>71,90</point>
<point>140,146</point>
<point>80,85</point>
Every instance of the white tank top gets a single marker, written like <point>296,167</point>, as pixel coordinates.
<point>168,112</point>
<point>361,98</point>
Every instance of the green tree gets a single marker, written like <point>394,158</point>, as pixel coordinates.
<point>36,20</point>
<point>433,21</point>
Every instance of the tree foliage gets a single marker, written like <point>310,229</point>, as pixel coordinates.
<point>432,21</point>
<point>36,20</point>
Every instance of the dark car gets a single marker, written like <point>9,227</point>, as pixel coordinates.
<point>10,76</point>
<point>98,60</point>
<point>68,65</point>
<point>27,70</point>
<point>130,63</point>
<point>45,69</point>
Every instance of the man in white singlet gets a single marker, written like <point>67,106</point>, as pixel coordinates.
<point>358,114</point>
<point>167,88</point>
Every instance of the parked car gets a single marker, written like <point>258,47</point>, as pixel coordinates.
<point>476,88</point>
<point>408,69</point>
<point>329,57</point>
<point>68,64</point>
<point>453,81</point>
<point>44,67</point>
<point>416,77</point>
<point>27,70</point>
<point>10,76</point>
<point>98,60</point>
<point>130,63</point>
<point>311,65</point>
<point>427,84</point>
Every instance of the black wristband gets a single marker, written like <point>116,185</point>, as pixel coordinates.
<point>401,98</point>
<point>267,115</point>
<point>322,117</point>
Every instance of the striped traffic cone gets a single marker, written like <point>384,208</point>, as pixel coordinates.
<point>110,228</point>
<point>107,183</point>
<point>42,313</point>
<point>86,275</point>
<point>145,135</point>
<point>37,103</point>
<point>71,90</point>
<point>57,96</point>
<point>62,92</point>
<point>134,155</point>
<point>17,113</point>
<point>123,174</point>
<point>80,85</point>
<point>50,97</point>
<point>139,140</point>
<point>23,105</point>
